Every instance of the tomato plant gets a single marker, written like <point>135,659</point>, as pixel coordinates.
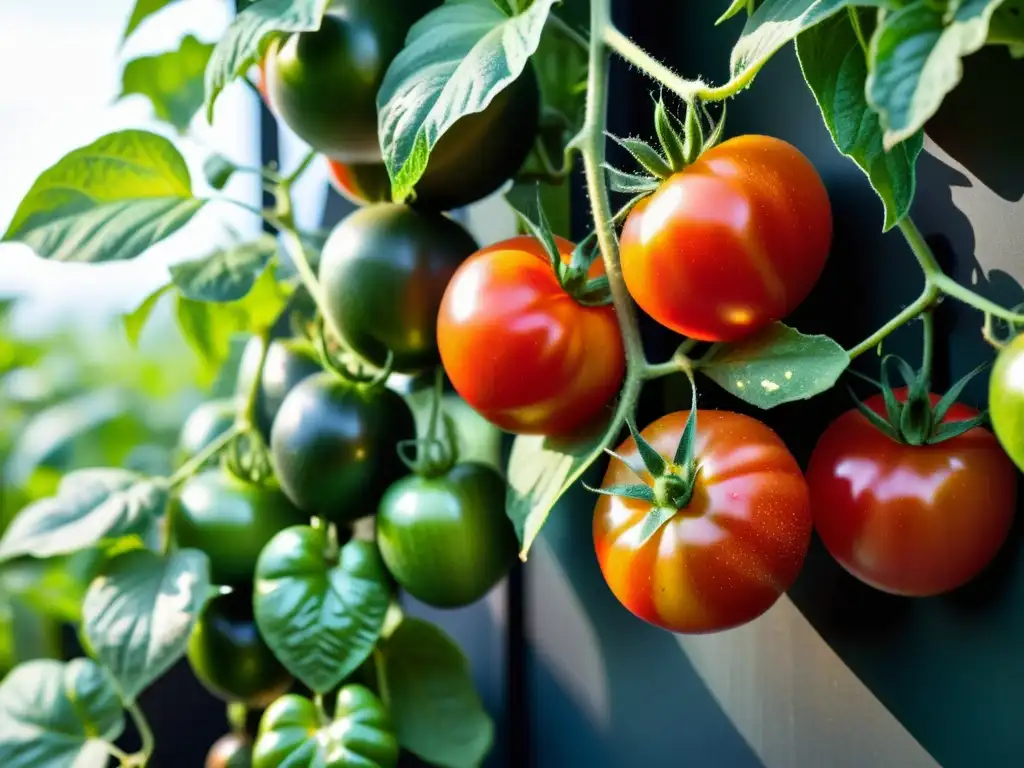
<point>730,243</point>
<point>420,108</point>
<point>561,360</point>
<point>893,513</point>
<point>229,656</point>
<point>712,536</point>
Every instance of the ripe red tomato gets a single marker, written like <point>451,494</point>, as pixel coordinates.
<point>909,520</point>
<point>731,243</point>
<point>726,557</point>
<point>521,351</point>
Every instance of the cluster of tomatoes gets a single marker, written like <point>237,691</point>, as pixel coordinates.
<point>724,246</point>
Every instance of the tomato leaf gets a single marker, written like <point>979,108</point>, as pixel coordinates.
<point>541,469</point>
<point>249,35</point>
<point>777,22</point>
<point>430,694</point>
<point>836,70</point>
<point>1007,27</point>
<point>734,9</point>
<point>776,365</point>
<point>208,326</point>
<point>139,614</point>
<point>457,59</point>
<point>53,587</point>
<point>143,9</point>
<point>58,714</point>
<point>915,60</point>
<point>135,321</point>
<point>172,81</point>
<point>110,200</point>
<point>218,170</point>
<point>227,274</point>
<point>91,506</point>
<point>321,622</point>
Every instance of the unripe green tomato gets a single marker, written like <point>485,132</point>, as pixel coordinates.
<point>205,424</point>
<point>1006,399</point>
<point>232,750</point>
<point>324,83</point>
<point>334,446</point>
<point>447,539</point>
<point>231,520</point>
<point>229,656</point>
<point>289,361</point>
<point>384,270</point>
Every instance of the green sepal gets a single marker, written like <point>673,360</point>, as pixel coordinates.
<point>596,292</point>
<point>648,453</point>
<point>630,183</point>
<point>638,491</point>
<point>542,232</point>
<point>948,399</point>
<point>674,145</point>
<point>877,421</point>
<point>693,144</point>
<point>654,522</point>
<point>646,155</point>
<point>718,129</point>
<point>637,469</point>
<point>957,428</point>
<point>685,449</point>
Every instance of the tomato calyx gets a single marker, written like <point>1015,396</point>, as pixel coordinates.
<point>914,420</point>
<point>574,277</point>
<point>673,480</point>
<point>681,143</point>
<point>436,453</point>
<point>347,367</point>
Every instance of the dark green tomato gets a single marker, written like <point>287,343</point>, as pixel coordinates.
<point>205,424</point>
<point>289,361</point>
<point>384,270</point>
<point>230,658</point>
<point>230,520</point>
<point>1006,399</point>
<point>360,734</point>
<point>480,152</point>
<point>324,83</point>
<point>230,751</point>
<point>334,446</point>
<point>447,539</point>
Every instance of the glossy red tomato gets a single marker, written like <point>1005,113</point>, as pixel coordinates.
<point>911,520</point>
<point>730,244</point>
<point>521,351</point>
<point>728,555</point>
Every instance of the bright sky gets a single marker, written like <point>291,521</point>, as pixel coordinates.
<point>62,63</point>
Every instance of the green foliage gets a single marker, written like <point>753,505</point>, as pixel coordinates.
<point>456,60</point>
<point>142,10</point>
<point>172,81</point>
<point>541,469</point>
<point>53,714</point>
<point>835,66</point>
<point>321,620</point>
<point>250,34</point>
<point>777,365</point>
<point>227,274</point>
<point>435,707</point>
<point>915,60</point>
<point>107,201</point>
<point>139,614</point>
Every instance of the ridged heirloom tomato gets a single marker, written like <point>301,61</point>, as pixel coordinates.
<point>911,520</point>
<point>726,556</point>
<point>731,243</point>
<point>519,349</point>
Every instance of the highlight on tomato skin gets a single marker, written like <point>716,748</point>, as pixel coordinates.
<point>733,242</point>
<point>521,351</point>
<point>731,552</point>
<point>916,521</point>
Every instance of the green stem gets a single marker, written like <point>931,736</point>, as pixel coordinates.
<point>122,757</point>
<point>920,304</point>
<point>145,733</point>
<point>857,29</point>
<point>592,145</point>
<point>922,251</point>
<point>382,682</point>
<point>568,32</point>
<point>292,177</point>
<point>238,716</point>
<point>687,90</point>
<point>247,416</point>
<point>190,467</point>
<point>954,290</point>
<point>927,345</point>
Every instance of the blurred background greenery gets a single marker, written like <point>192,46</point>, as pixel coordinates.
<point>75,396</point>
